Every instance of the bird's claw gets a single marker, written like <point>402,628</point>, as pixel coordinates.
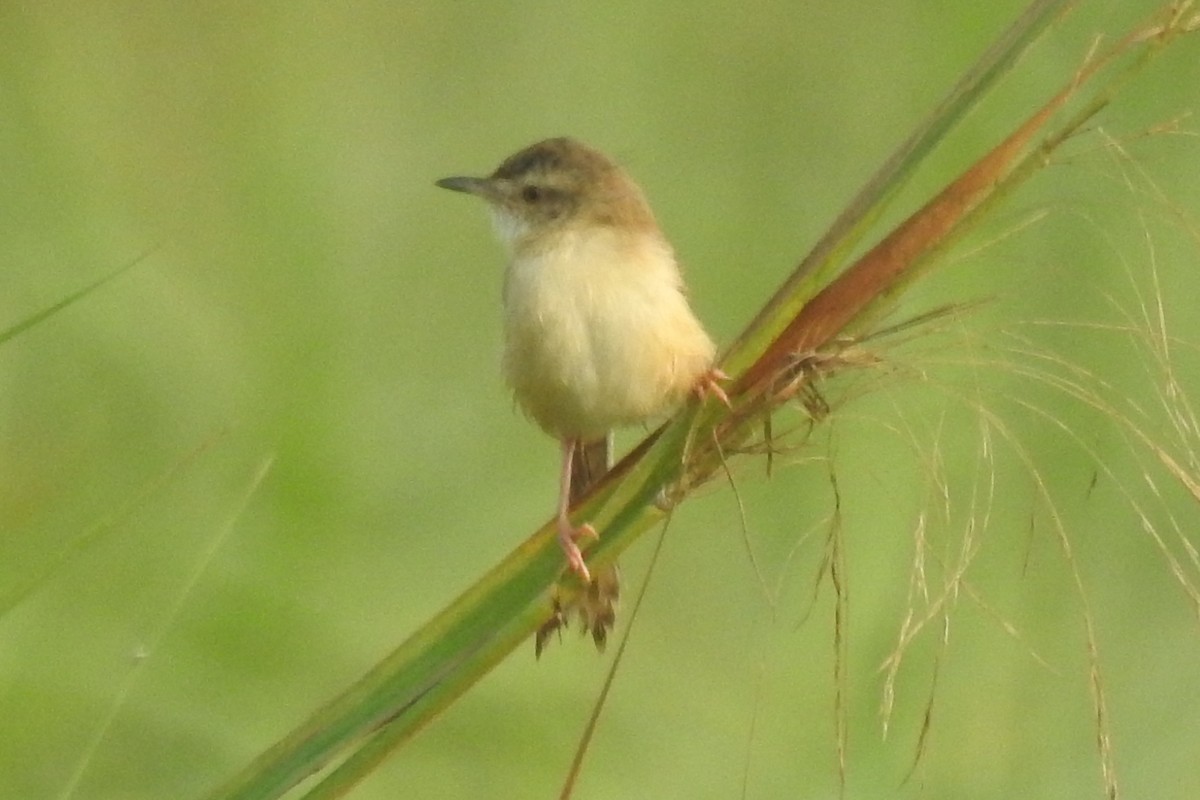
<point>567,538</point>
<point>709,383</point>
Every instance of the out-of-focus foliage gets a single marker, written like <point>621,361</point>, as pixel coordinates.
<point>314,307</point>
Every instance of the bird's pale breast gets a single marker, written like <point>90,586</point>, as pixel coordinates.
<point>598,332</point>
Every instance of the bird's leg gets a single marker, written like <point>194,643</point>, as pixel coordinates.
<point>709,383</point>
<point>568,534</point>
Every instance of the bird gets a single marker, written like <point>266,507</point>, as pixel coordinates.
<point>598,329</point>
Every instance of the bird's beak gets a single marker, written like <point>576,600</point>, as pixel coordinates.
<point>481,187</point>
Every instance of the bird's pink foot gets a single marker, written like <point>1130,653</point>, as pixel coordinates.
<point>709,383</point>
<point>567,538</point>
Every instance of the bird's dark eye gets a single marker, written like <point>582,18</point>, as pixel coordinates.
<point>531,194</point>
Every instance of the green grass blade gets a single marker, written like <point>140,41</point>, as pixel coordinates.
<point>38,575</point>
<point>490,619</point>
<point>41,316</point>
<point>852,224</point>
<point>460,644</point>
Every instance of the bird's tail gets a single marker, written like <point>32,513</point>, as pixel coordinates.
<point>592,460</point>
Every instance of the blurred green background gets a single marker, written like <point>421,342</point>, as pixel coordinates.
<point>312,306</point>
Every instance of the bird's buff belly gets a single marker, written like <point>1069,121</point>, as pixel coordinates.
<point>576,377</point>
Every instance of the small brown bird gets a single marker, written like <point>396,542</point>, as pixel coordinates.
<point>597,328</point>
